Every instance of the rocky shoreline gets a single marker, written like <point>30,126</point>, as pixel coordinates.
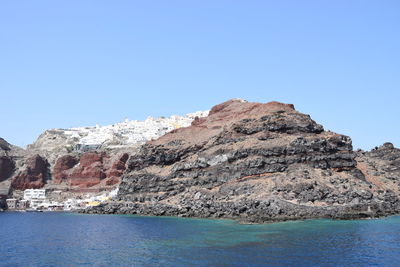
<point>264,212</point>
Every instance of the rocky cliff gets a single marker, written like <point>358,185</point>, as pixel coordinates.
<point>9,156</point>
<point>257,162</point>
<point>90,169</point>
<point>80,158</point>
<point>33,175</point>
<point>381,167</point>
<point>249,161</point>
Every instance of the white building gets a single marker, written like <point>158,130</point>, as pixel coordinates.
<point>34,194</point>
<point>35,197</point>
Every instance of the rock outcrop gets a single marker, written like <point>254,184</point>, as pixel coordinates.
<point>63,164</point>
<point>253,162</point>
<point>381,167</point>
<point>4,146</point>
<point>33,175</point>
<point>6,167</point>
<point>9,156</point>
<point>89,169</point>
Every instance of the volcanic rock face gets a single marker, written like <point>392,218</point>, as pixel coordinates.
<point>119,166</point>
<point>90,169</point>
<point>4,145</point>
<point>381,167</point>
<point>6,167</point>
<point>7,163</point>
<point>63,164</point>
<point>252,161</point>
<point>24,169</point>
<point>33,176</point>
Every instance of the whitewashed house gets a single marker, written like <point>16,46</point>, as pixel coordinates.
<point>35,197</point>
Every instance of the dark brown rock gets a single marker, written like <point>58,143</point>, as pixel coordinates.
<point>113,180</point>
<point>6,167</point>
<point>4,145</point>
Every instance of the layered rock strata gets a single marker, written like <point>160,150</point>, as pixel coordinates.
<point>381,167</point>
<point>253,162</point>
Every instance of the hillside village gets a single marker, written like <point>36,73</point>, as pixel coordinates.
<point>76,167</point>
<point>38,200</point>
<point>115,136</point>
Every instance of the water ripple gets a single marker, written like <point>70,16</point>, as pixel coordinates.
<point>63,239</point>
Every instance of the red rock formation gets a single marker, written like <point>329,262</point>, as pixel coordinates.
<point>63,163</point>
<point>93,168</point>
<point>222,116</point>
<point>112,181</point>
<point>33,176</point>
<point>89,172</point>
<point>6,167</point>
<point>118,167</point>
<point>88,158</point>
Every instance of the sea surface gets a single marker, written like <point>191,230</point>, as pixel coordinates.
<point>67,239</point>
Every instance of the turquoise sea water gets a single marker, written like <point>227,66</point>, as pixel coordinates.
<point>65,239</point>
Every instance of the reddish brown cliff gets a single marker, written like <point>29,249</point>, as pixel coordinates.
<point>33,175</point>
<point>61,167</point>
<point>91,169</point>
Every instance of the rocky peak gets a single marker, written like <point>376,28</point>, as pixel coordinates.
<point>255,160</point>
<point>237,118</point>
<point>4,145</point>
<point>387,145</point>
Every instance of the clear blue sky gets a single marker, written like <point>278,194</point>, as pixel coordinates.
<point>78,63</point>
